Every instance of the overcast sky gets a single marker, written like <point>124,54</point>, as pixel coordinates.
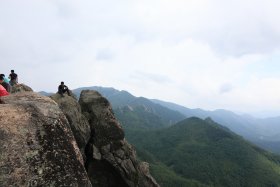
<point>209,54</point>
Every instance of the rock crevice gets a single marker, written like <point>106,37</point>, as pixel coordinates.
<point>109,159</point>
<point>59,141</point>
<point>37,146</point>
<point>107,147</point>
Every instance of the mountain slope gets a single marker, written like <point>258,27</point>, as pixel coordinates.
<point>263,132</point>
<point>137,113</point>
<point>117,98</point>
<point>207,153</point>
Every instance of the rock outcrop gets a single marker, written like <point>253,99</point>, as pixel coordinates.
<point>111,160</point>
<point>104,126</point>
<point>20,88</point>
<point>59,141</point>
<point>37,146</point>
<point>78,123</point>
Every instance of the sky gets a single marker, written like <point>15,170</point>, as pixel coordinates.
<point>210,54</point>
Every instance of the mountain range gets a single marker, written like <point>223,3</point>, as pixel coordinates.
<point>264,132</point>
<point>144,113</point>
<point>195,147</point>
<point>140,113</point>
<point>196,152</point>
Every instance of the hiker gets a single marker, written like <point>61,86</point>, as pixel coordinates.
<point>62,88</point>
<point>5,79</point>
<point>4,84</point>
<point>3,91</point>
<point>14,78</point>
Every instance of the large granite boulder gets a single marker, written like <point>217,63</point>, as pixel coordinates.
<point>111,160</point>
<point>41,139</point>
<point>37,146</point>
<point>78,122</point>
<point>99,113</point>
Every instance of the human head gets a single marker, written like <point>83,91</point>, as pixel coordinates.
<point>12,71</point>
<point>62,82</point>
<point>1,79</point>
<point>2,75</point>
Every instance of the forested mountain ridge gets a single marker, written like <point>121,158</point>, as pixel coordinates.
<point>203,153</point>
<point>193,152</point>
<point>264,132</point>
<point>144,113</point>
<point>139,113</point>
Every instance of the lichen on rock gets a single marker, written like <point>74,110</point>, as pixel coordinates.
<point>41,140</point>
<point>78,122</point>
<point>37,145</point>
<point>20,88</point>
<point>118,165</point>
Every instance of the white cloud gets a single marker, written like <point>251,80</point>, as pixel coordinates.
<point>198,53</point>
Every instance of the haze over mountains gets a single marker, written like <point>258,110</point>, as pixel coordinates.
<point>195,147</point>
<point>152,114</point>
<point>262,131</point>
<point>201,55</point>
<point>196,152</point>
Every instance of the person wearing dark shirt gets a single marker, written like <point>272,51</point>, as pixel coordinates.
<point>14,78</point>
<point>62,88</point>
<point>4,84</point>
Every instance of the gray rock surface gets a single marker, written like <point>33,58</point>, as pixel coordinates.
<point>41,139</point>
<point>103,123</point>
<point>111,160</point>
<point>37,146</point>
<point>78,123</point>
<point>20,88</point>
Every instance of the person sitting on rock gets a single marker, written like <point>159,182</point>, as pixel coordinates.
<point>4,84</point>
<point>62,88</point>
<point>5,79</point>
<point>14,78</point>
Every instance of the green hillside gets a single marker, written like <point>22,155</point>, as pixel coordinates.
<point>198,152</point>
<point>138,119</point>
<point>262,132</point>
<point>137,113</point>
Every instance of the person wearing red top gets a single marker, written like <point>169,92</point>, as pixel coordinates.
<point>4,84</point>
<point>3,91</point>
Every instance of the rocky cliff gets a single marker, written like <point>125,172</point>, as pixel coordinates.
<point>109,159</point>
<point>78,123</point>
<point>37,147</point>
<point>63,142</point>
